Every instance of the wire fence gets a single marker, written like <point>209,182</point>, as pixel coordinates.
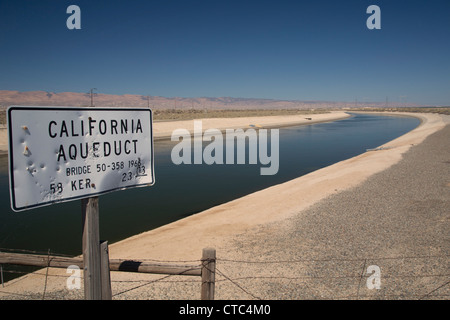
<point>406,277</point>
<point>402,277</point>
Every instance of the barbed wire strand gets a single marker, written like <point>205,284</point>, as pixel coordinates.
<point>36,252</point>
<point>153,281</point>
<point>302,277</point>
<point>236,284</point>
<point>334,277</point>
<point>435,290</point>
<point>360,278</point>
<point>331,259</point>
<point>140,286</point>
<point>46,275</point>
<point>247,261</point>
<point>74,256</point>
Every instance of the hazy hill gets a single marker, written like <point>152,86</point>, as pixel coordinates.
<point>43,98</point>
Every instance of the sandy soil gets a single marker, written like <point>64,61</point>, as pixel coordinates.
<point>164,129</point>
<point>185,239</point>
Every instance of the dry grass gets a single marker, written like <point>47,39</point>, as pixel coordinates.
<point>2,115</point>
<point>190,114</point>
<point>439,110</point>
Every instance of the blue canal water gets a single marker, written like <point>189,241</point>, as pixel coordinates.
<point>182,190</point>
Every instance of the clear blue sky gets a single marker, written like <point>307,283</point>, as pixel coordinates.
<point>302,50</point>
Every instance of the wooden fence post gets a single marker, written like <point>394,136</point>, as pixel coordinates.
<point>208,273</point>
<point>106,277</point>
<point>91,249</point>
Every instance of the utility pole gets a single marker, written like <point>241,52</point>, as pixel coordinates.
<point>92,96</point>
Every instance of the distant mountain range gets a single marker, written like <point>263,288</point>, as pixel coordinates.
<point>43,98</point>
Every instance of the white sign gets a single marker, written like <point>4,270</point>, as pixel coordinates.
<point>59,154</point>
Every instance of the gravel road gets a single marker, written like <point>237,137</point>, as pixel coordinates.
<point>396,221</point>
